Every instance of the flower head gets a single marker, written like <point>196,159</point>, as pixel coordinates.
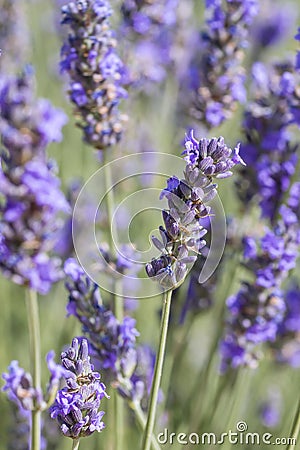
<point>188,199</point>
<point>30,189</point>
<point>95,70</point>
<point>215,75</point>
<point>76,407</point>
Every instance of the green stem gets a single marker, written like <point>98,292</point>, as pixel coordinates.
<point>140,416</point>
<point>35,351</point>
<point>295,430</point>
<point>117,292</point>
<point>75,445</point>
<point>158,370</point>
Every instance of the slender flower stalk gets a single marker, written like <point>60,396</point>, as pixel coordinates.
<point>158,370</point>
<point>35,355</point>
<point>295,430</point>
<point>142,422</point>
<point>75,444</point>
<point>117,295</point>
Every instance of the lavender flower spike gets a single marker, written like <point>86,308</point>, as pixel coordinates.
<point>32,198</point>
<point>216,75</point>
<point>110,341</point>
<point>188,198</point>
<point>257,311</point>
<point>96,72</point>
<point>76,407</point>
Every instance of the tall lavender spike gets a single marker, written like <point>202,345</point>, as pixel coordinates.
<point>20,390</point>
<point>96,72</point>
<point>31,191</point>
<point>112,344</point>
<point>182,233</point>
<point>76,407</point>
<point>269,150</point>
<point>216,78</point>
<point>256,312</point>
<point>14,36</point>
<point>110,341</point>
<point>149,32</point>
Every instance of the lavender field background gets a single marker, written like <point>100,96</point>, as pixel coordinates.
<point>224,362</point>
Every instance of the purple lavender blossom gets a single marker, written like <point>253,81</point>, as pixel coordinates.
<point>207,159</point>
<point>30,188</point>
<point>110,341</point>
<point>19,387</point>
<point>96,72</point>
<point>272,25</point>
<point>136,388</point>
<point>256,312</point>
<point>269,151</point>
<point>76,407</point>
<point>271,409</point>
<point>149,29</point>
<point>20,390</point>
<point>216,77</point>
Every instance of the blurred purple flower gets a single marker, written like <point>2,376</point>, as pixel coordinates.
<point>269,150</point>
<point>110,341</point>
<point>96,72</point>
<point>31,192</point>
<point>258,310</point>
<point>215,77</point>
<point>149,28</point>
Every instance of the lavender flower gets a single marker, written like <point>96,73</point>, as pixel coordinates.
<point>110,340</point>
<point>136,387</point>
<point>269,151</point>
<point>20,389</point>
<point>96,72</point>
<point>257,310</point>
<point>30,189</point>
<point>112,344</point>
<point>76,407</point>
<point>187,201</point>
<point>271,409</point>
<point>272,25</point>
<point>149,29</point>
<point>216,77</point>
